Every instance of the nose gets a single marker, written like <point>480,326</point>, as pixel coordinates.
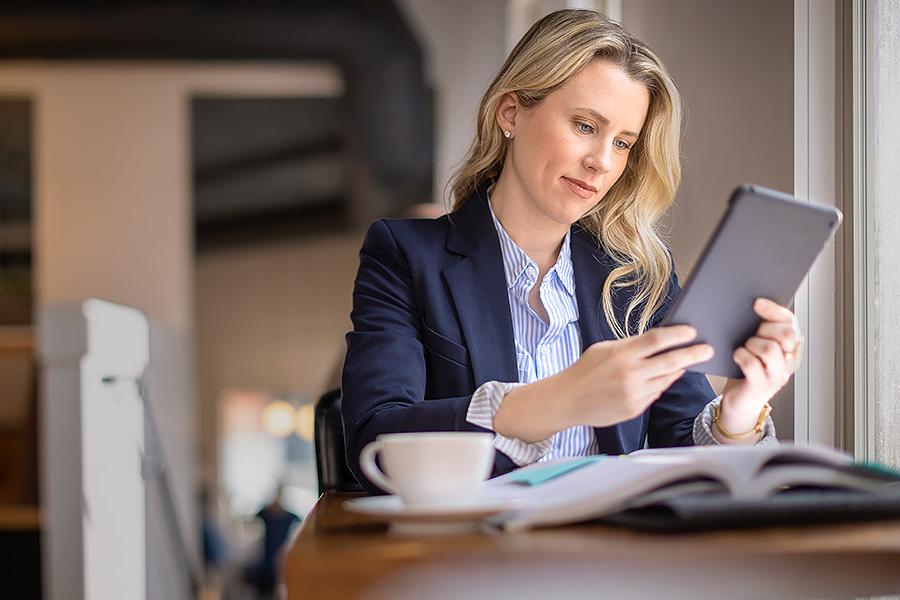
<point>600,158</point>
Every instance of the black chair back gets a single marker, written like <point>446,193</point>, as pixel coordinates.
<point>331,459</point>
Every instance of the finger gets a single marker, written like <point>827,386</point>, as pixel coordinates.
<point>660,338</point>
<point>658,385</point>
<point>750,365</point>
<point>770,354</point>
<point>664,382</point>
<point>772,311</point>
<point>782,333</point>
<point>675,360</point>
<point>666,379</point>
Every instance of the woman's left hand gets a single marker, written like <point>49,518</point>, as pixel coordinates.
<point>767,360</point>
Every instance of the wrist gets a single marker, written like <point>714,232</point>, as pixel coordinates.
<point>735,424</point>
<point>532,412</point>
<point>737,413</point>
<point>566,394</point>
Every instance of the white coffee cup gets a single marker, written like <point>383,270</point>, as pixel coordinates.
<point>430,468</point>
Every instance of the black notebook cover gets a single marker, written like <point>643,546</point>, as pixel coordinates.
<point>793,507</point>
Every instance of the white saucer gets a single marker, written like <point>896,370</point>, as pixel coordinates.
<point>429,520</point>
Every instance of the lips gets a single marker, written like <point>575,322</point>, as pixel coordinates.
<point>581,188</point>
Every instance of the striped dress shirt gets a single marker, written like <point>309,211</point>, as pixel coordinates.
<point>546,348</point>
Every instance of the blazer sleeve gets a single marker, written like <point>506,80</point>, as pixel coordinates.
<point>383,382</point>
<point>672,416</point>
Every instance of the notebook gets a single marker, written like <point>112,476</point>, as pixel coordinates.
<point>696,487</point>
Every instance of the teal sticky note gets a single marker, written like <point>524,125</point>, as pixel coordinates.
<point>539,475</point>
<point>879,469</point>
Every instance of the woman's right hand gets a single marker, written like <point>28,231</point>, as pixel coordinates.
<point>617,380</point>
<point>611,382</point>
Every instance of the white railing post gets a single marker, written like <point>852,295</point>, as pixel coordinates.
<point>93,495</point>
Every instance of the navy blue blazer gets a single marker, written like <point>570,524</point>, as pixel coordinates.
<point>431,323</point>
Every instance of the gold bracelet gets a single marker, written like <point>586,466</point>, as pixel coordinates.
<point>760,423</point>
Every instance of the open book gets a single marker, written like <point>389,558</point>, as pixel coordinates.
<point>580,489</point>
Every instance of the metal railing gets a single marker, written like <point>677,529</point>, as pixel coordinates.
<point>154,467</point>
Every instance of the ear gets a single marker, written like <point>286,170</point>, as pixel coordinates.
<point>507,111</point>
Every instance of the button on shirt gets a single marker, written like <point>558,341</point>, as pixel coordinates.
<point>546,348</point>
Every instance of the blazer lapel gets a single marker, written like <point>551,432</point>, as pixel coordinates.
<point>477,285</point>
<point>591,267</point>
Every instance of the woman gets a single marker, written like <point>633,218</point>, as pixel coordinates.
<point>530,310</point>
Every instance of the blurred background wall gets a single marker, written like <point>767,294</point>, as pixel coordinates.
<point>464,45</point>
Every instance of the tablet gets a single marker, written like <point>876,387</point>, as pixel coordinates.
<point>764,246</point>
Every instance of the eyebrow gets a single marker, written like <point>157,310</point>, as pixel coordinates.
<point>604,120</point>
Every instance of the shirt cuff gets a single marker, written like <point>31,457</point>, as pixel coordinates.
<point>703,435</point>
<point>484,405</point>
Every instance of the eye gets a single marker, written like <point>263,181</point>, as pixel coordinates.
<point>622,145</point>
<point>583,127</point>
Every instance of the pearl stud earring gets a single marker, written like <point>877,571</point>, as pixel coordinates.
<point>507,134</point>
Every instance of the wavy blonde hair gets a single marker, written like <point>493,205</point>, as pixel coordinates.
<point>625,220</point>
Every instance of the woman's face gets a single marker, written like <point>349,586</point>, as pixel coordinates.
<point>568,150</point>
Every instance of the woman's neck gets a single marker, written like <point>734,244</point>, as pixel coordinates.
<point>540,238</point>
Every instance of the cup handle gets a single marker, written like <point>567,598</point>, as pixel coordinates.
<point>370,467</point>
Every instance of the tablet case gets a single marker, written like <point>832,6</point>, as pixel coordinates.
<point>764,246</point>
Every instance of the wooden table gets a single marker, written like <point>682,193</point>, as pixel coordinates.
<point>338,554</point>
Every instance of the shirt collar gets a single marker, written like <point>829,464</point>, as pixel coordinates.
<point>515,261</point>
<point>564,268</point>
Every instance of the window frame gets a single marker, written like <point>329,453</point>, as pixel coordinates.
<point>818,400</point>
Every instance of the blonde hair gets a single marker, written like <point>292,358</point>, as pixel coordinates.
<point>625,220</point>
